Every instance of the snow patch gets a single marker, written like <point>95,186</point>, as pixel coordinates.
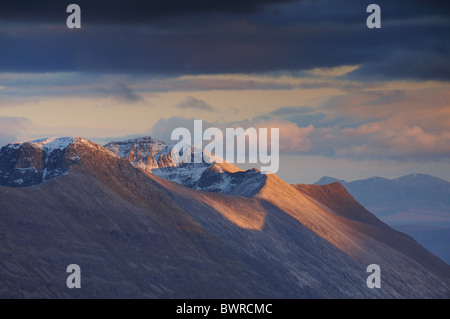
<point>14,146</point>
<point>157,157</point>
<point>184,175</point>
<point>18,181</point>
<point>53,143</point>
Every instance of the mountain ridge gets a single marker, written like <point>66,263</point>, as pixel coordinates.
<point>135,234</point>
<point>418,200</point>
<point>328,179</point>
<point>212,175</point>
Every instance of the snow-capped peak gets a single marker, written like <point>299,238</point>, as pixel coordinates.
<point>212,174</point>
<point>54,143</point>
<point>30,163</point>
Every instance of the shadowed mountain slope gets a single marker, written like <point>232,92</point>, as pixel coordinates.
<point>135,235</point>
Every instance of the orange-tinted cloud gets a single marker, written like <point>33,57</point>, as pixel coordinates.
<point>392,123</point>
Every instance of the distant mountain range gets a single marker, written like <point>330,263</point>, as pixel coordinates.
<point>141,226</point>
<point>416,204</point>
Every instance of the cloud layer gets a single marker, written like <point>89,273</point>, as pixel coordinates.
<point>122,92</point>
<point>191,103</point>
<point>400,124</point>
<point>210,37</point>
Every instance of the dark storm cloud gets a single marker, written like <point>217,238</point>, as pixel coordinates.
<point>121,11</point>
<point>121,92</point>
<point>208,37</point>
<point>144,11</point>
<point>419,64</point>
